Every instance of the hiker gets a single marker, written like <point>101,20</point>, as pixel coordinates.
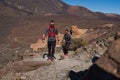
<point>67,42</point>
<point>52,33</point>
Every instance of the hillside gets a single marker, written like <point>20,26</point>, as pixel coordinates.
<point>26,19</point>
<point>48,8</point>
<point>22,22</point>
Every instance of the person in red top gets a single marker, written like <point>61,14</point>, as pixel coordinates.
<point>52,33</point>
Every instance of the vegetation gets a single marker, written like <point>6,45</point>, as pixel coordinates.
<point>77,43</point>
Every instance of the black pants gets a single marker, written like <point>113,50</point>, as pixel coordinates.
<point>51,48</point>
<point>65,48</point>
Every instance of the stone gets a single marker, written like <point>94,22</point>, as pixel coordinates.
<point>114,51</point>
<point>76,32</point>
<point>108,25</point>
<point>3,71</point>
<point>110,61</point>
<point>24,66</point>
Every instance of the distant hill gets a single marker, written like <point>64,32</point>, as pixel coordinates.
<point>47,8</point>
<point>25,20</point>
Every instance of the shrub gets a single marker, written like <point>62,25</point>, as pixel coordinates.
<point>77,43</point>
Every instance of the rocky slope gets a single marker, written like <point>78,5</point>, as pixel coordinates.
<point>17,31</point>
<point>30,65</point>
<point>47,8</point>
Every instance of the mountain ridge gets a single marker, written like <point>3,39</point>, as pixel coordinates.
<point>50,7</point>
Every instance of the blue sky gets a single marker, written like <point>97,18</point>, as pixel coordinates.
<point>105,6</point>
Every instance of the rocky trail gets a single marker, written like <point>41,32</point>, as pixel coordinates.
<point>32,66</point>
<point>53,70</point>
<point>82,64</point>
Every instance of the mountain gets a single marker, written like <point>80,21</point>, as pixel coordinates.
<point>44,7</point>
<point>47,8</point>
<point>26,19</point>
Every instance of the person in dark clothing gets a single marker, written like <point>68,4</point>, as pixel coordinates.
<point>52,33</point>
<point>67,40</point>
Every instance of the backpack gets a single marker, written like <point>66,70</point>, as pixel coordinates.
<point>51,33</point>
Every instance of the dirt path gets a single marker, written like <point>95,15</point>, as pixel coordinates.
<point>57,70</point>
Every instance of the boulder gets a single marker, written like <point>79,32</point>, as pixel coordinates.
<point>110,61</point>
<point>76,32</point>
<point>108,25</point>
<point>24,66</point>
<point>3,72</point>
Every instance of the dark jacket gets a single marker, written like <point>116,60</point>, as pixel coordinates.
<point>67,38</point>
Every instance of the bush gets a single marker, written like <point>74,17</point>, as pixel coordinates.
<point>77,43</point>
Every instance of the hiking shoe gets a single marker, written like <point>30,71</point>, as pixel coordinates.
<point>52,58</point>
<point>49,59</point>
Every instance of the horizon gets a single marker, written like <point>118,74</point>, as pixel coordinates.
<point>108,6</point>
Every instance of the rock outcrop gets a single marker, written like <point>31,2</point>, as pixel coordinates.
<point>40,44</point>
<point>25,66</point>
<point>110,61</point>
<point>76,32</point>
<point>48,8</point>
<point>107,67</point>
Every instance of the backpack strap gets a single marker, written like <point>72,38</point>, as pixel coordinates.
<point>51,33</point>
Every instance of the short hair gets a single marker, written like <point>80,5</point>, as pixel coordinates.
<point>52,21</point>
<point>66,30</point>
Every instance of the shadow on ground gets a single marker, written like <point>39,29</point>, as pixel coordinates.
<point>93,73</point>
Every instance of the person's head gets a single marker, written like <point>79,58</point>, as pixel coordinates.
<point>66,31</point>
<point>52,24</point>
<point>117,35</point>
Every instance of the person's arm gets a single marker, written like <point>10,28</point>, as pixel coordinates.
<point>57,35</point>
<point>44,35</point>
<point>69,38</point>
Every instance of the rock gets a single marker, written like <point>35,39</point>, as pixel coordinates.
<point>96,34</point>
<point>89,51</point>
<point>100,47</point>
<point>27,51</point>
<point>114,51</point>
<point>108,25</point>
<point>97,73</point>
<point>78,50</point>
<point>111,38</point>
<point>3,71</point>
<point>22,78</point>
<point>28,55</point>
<point>110,61</point>
<point>38,44</point>
<point>76,32</point>
<point>24,66</point>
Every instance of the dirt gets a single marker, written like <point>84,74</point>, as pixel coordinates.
<point>56,70</point>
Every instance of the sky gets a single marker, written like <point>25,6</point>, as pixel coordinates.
<point>105,6</point>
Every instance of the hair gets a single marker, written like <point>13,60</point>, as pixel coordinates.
<point>117,35</point>
<point>52,21</point>
<point>66,30</point>
<point>71,32</point>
